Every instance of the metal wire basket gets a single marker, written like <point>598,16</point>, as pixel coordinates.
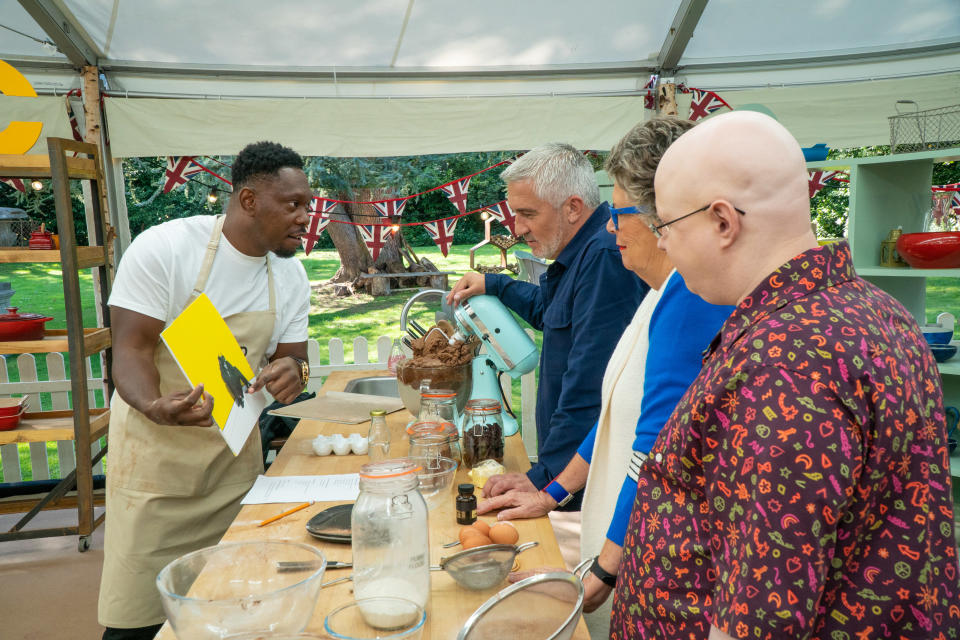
<point>925,130</point>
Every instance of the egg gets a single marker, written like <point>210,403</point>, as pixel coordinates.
<point>476,541</point>
<point>468,532</point>
<point>482,527</point>
<point>504,533</point>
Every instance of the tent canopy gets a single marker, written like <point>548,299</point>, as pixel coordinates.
<point>389,77</point>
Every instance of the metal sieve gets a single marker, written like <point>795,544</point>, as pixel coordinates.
<point>483,567</point>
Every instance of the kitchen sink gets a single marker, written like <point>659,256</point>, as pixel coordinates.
<point>374,386</point>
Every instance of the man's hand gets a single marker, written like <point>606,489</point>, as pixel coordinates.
<point>500,484</point>
<point>522,504</point>
<point>182,409</point>
<point>281,378</point>
<point>595,593</point>
<point>471,284</point>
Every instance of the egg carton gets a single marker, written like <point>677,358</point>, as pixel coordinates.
<point>340,445</point>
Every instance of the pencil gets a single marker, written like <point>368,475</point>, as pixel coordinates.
<point>285,513</point>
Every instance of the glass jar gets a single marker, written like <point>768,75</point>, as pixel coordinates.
<point>438,405</point>
<point>390,538</point>
<point>482,432</point>
<point>429,439</point>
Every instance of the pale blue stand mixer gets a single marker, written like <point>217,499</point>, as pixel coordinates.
<point>507,348</point>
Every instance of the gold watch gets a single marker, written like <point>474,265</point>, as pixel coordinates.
<point>304,370</point>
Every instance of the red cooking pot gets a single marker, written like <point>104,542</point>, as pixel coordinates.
<point>21,326</point>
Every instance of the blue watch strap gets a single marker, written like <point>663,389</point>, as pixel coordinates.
<point>556,491</point>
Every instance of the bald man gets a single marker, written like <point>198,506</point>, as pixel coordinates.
<point>801,488</point>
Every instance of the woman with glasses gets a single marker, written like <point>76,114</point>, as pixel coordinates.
<point>654,362</point>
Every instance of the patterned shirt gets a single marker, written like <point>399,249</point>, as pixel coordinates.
<point>801,489</point>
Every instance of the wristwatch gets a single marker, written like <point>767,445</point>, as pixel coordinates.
<point>556,491</point>
<point>606,578</point>
<point>304,370</point>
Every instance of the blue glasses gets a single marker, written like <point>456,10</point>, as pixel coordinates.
<point>626,211</point>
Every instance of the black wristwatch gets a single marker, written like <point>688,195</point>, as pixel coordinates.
<point>608,579</point>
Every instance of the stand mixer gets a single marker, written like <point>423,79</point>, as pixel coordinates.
<point>508,348</point>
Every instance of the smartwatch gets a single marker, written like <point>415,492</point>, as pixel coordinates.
<point>556,491</point>
<point>606,578</point>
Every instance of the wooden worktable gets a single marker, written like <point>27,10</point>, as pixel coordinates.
<point>450,604</point>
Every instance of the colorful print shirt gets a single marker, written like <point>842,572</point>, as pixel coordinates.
<point>801,489</point>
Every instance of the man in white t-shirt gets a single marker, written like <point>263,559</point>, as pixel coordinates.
<point>173,486</point>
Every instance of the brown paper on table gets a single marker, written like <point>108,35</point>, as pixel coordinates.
<point>337,406</point>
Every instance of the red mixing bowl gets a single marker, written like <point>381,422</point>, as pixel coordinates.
<point>930,249</point>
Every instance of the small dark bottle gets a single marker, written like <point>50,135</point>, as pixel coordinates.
<point>466,504</point>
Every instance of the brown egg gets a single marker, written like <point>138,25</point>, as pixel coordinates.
<point>468,532</point>
<point>476,541</point>
<point>482,527</point>
<point>504,533</point>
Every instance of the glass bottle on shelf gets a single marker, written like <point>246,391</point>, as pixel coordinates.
<point>391,551</point>
<point>378,439</point>
<point>482,432</point>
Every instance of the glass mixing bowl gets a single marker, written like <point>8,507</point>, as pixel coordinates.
<point>459,378</point>
<point>242,587</point>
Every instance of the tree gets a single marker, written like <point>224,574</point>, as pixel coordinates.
<point>371,179</point>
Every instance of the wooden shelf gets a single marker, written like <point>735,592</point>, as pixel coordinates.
<point>55,341</point>
<point>907,272</point>
<point>47,426</point>
<point>38,166</point>
<point>87,257</point>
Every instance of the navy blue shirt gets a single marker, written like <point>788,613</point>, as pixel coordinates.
<point>583,304</point>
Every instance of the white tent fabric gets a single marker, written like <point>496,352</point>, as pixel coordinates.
<point>333,77</point>
<point>845,115</point>
<point>50,110</point>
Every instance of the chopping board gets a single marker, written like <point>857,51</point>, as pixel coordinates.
<point>337,406</point>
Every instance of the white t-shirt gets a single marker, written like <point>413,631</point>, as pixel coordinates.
<point>157,273</point>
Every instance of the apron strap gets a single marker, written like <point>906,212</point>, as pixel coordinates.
<point>207,265</point>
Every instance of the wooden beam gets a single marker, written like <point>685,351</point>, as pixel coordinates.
<point>667,99</point>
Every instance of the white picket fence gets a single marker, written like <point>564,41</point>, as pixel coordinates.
<point>55,389</point>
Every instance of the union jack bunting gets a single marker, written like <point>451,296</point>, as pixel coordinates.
<point>74,124</point>
<point>374,236</point>
<point>391,208</point>
<point>318,222</point>
<point>502,212</point>
<point>650,99</point>
<point>442,233</point>
<point>16,183</point>
<point>818,180</point>
<point>322,205</point>
<point>179,169</point>
<point>457,192</point>
<point>703,103</point>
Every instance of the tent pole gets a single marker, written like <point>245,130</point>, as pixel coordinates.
<point>92,131</point>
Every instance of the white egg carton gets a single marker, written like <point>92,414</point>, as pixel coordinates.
<point>340,445</point>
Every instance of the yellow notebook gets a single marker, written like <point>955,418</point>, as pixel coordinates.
<point>209,354</point>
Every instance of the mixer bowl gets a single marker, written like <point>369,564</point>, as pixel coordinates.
<point>241,587</point>
<point>458,378</point>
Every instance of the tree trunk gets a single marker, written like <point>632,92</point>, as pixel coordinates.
<point>354,256</point>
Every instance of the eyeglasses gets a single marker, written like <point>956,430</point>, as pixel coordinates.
<point>626,211</point>
<point>656,228</point>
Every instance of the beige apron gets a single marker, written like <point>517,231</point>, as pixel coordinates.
<point>172,490</point>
